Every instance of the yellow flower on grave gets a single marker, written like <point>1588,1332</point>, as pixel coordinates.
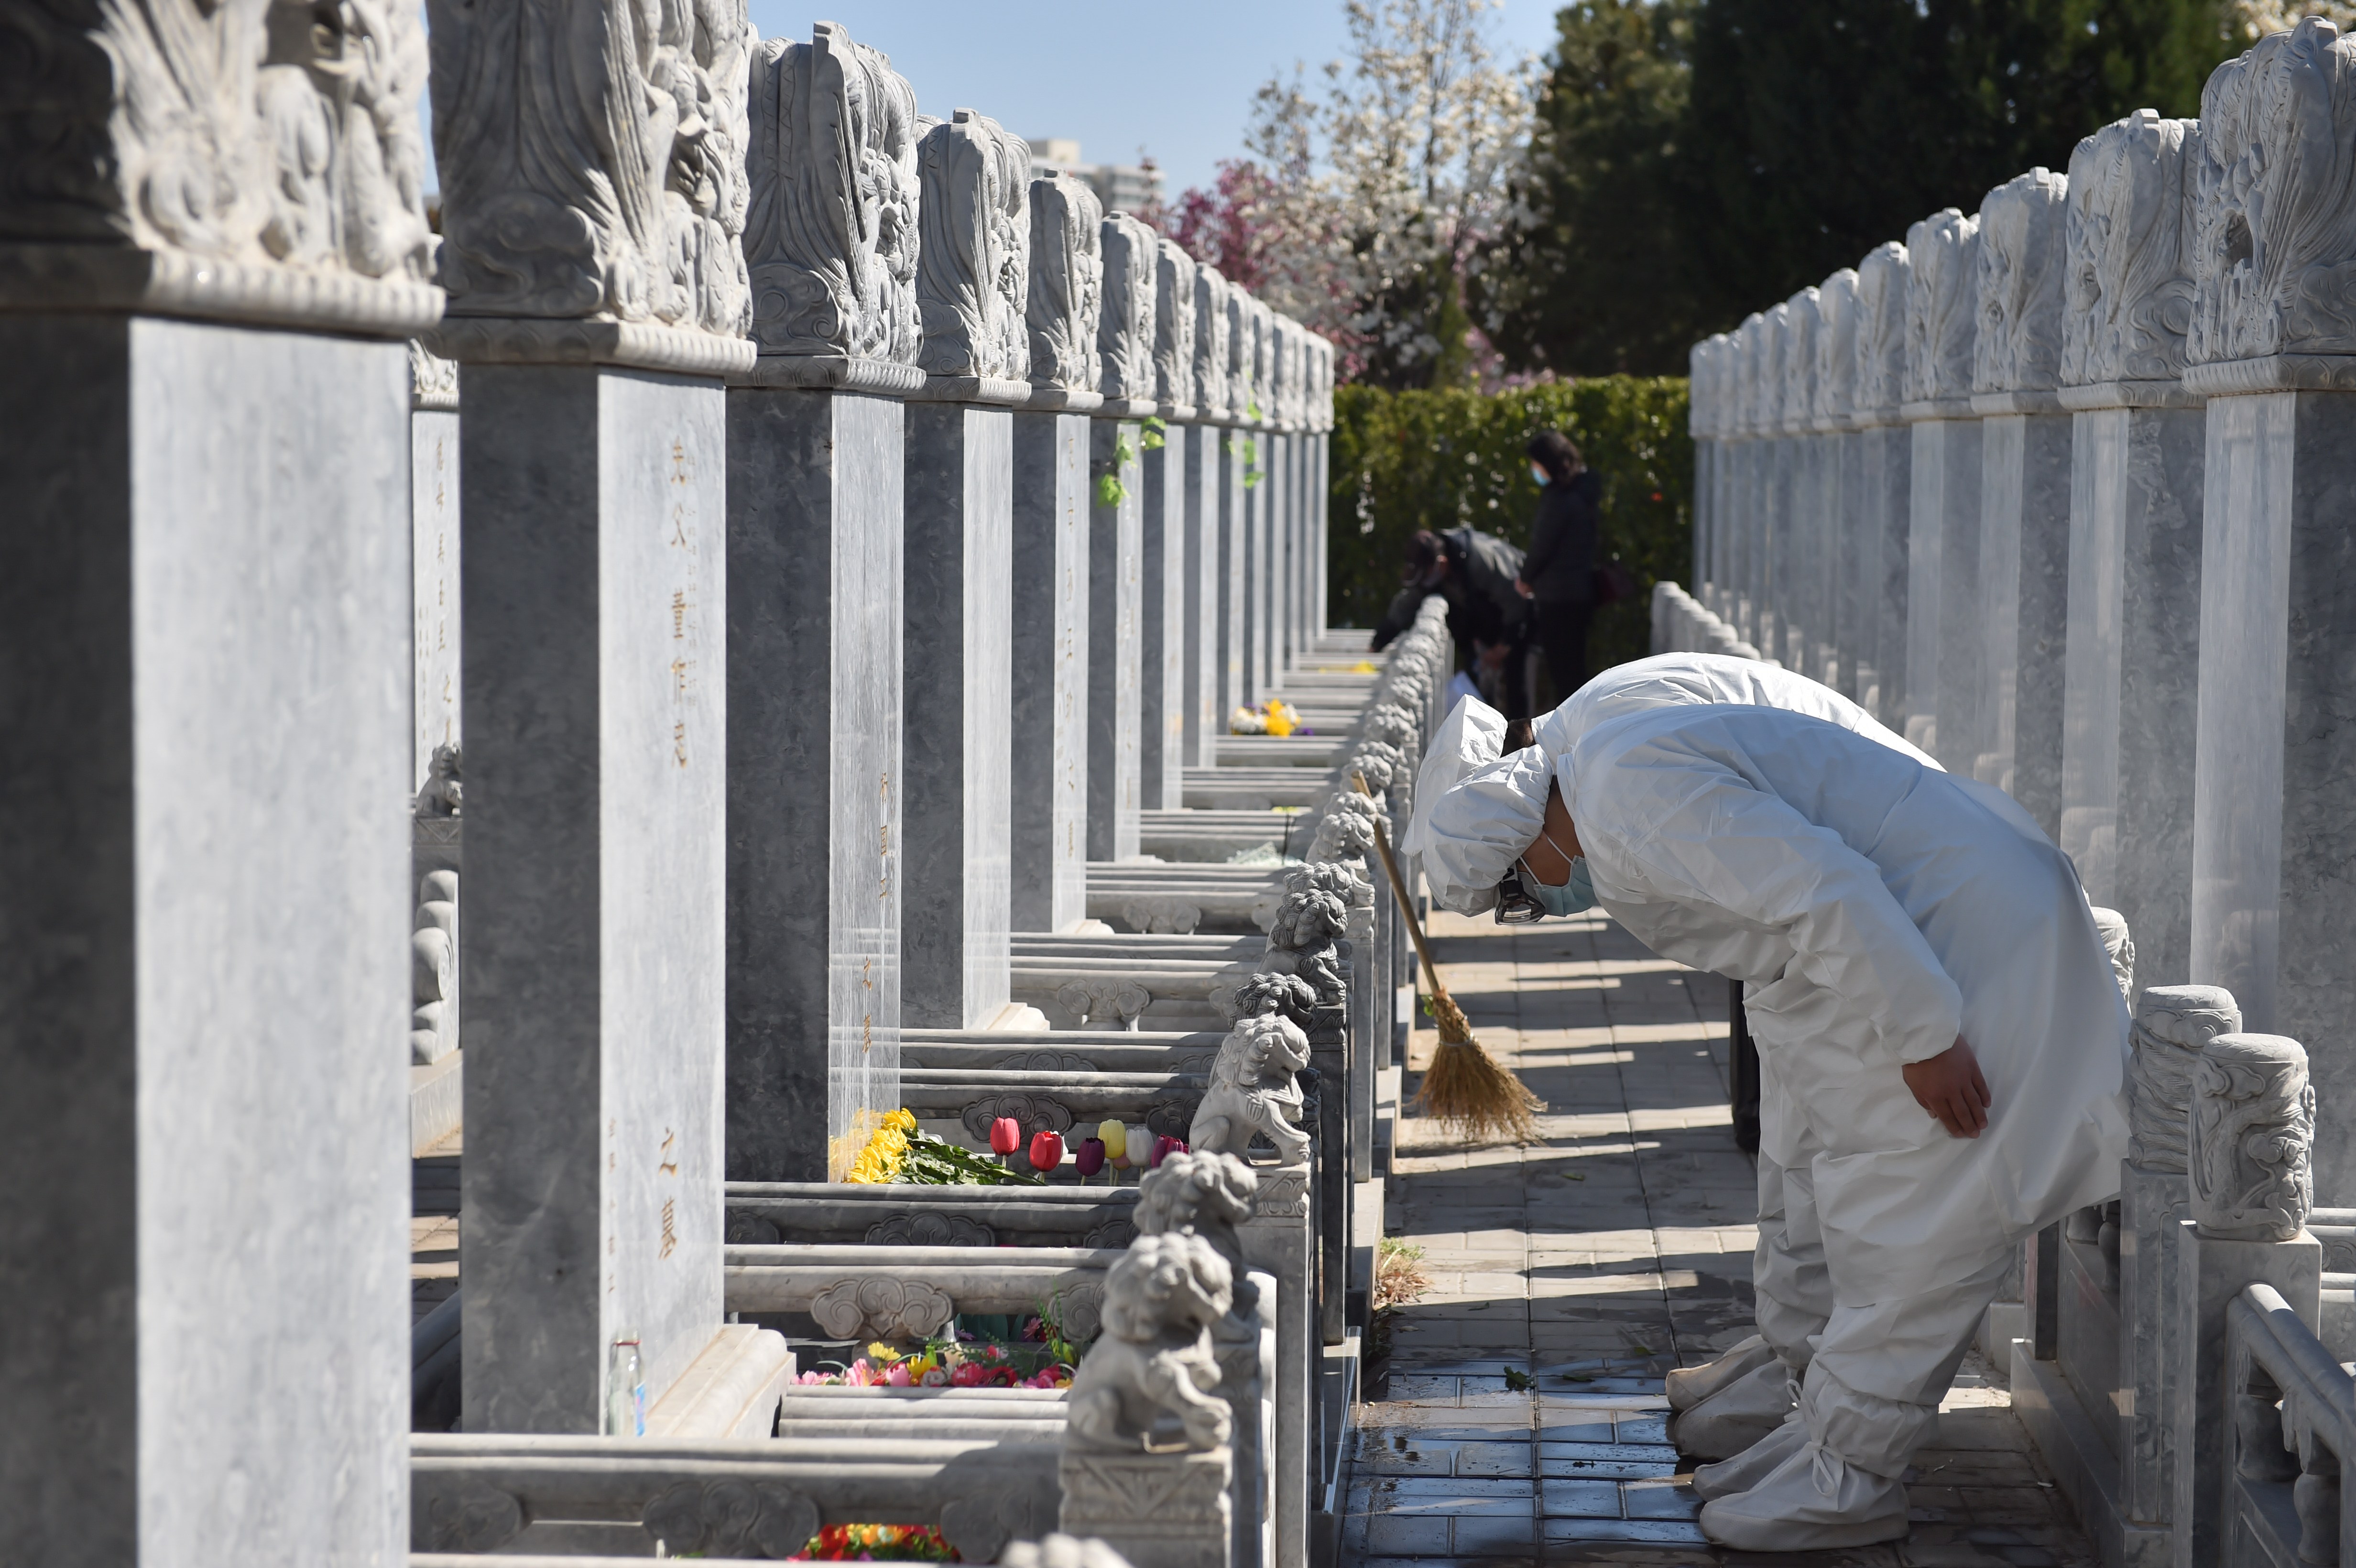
<point>904,1119</point>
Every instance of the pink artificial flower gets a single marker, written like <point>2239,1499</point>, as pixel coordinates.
<point>898,1376</point>
<point>861,1374</point>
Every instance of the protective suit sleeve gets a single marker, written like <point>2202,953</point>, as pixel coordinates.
<point>1732,845</point>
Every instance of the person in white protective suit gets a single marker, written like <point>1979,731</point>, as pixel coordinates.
<point>1942,1044</point>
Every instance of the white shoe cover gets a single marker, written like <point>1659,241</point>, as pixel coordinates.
<point>1813,1502</point>
<point>1750,1467</point>
<point>1737,1416</point>
<point>1688,1386</point>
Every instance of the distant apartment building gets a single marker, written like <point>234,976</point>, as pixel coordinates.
<point>1122,187</point>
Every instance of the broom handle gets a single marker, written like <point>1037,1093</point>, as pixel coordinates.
<point>1398,893</point>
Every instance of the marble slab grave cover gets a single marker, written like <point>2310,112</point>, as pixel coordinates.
<point>595,672</point>
<point>1048,773</point>
<point>815,785</point>
<point>1115,593</point>
<point>956,720</point>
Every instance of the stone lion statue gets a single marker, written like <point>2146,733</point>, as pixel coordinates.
<point>1145,1383</point>
<point>1253,1091</point>
<point>1267,991</point>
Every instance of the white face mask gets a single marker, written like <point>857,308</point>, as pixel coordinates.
<point>1538,472</point>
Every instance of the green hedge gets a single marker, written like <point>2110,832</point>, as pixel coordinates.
<point>1404,460</point>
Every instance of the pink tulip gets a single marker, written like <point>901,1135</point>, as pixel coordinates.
<point>1091,1158</point>
<point>898,1376</point>
<point>1005,1136</point>
<point>1046,1150</point>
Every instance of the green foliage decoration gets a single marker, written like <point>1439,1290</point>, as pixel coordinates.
<point>1404,460</point>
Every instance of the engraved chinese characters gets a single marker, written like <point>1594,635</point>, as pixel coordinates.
<point>2252,1138</point>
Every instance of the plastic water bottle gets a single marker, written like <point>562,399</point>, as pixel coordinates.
<point>626,1388</point>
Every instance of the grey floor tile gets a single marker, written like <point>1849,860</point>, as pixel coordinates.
<point>1660,1499</point>
<point>1563,1531</point>
<point>1583,1500</point>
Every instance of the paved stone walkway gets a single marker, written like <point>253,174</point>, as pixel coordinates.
<point>1522,1418</point>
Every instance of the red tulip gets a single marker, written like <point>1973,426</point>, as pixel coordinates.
<point>1005,1136</point>
<point>1046,1150</point>
<point>1166,1145</point>
<point>1091,1158</point>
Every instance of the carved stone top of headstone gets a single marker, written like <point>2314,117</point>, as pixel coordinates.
<point>1145,1384</point>
<point>1211,342</point>
<point>1173,332</point>
<point>1725,361</point>
<point>2253,1138</point>
<point>1836,380</point>
<point>1321,413</point>
<point>2127,293</point>
<point>1066,290</point>
<point>432,380</point>
<point>1751,373</point>
<point>1293,367</point>
<point>2016,348</point>
<point>196,159</point>
<point>2177,1023</point>
<point>973,263</point>
<point>1125,330</point>
<point>1942,314</point>
<point>1242,391</point>
<point>1262,346</point>
<point>1280,368</point>
<point>1796,401</point>
<point>2273,226</point>
<point>1775,354</point>
<point>593,185</point>
<point>831,234</point>
<point>1880,375</point>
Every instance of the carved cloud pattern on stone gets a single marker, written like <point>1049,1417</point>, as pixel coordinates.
<point>1881,377</point>
<point>1066,283</point>
<point>831,238</point>
<point>2275,250</point>
<point>974,263</point>
<point>2017,345</point>
<point>1942,305</point>
<point>2127,296</point>
<point>591,160</point>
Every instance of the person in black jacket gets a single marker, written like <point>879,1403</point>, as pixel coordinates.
<point>1487,616</point>
<point>1558,575</point>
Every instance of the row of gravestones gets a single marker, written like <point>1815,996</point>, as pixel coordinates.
<point>726,309</point>
<point>2050,489</point>
<point>1999,484</point>
<point>857,1263</point>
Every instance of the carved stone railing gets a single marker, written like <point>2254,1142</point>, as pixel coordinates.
<point>2288,1432</point>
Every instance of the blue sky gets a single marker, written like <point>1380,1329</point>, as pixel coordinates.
<point>1176,80</point>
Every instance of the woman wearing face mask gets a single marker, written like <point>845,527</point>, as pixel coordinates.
<point>1558,571</point>
<point>1941,1045</point>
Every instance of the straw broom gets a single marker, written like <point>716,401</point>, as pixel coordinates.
<point>1464,1089</point>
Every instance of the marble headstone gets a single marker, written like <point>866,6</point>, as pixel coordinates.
<point>596,320</point>
<point>207,626</point>
<point>2272,345</point>
<point>2136,476</point>
<point>2024,491</point>
<point>1877,575</point>
<point>1945,638</point>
